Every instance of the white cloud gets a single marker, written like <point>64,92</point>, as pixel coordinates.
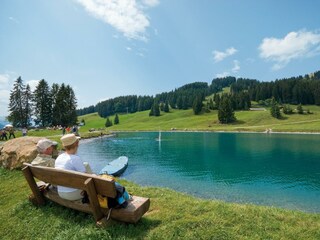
<point>236,66</point>
<point>126,16</point>
<point>33,84</point>
<point>222,75</point>
<point>234,69</point>
<point>151,3</point>
<point>140,54</point>
<point>294,45</point>
<point>4,96</point>
<point>4,102</point>
<point>129,48</point>
<point>14,20</point>
<point>4,79</point>
<point>219,56</point>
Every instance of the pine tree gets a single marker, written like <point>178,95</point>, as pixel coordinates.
<point>216,99</point>
<point>197,105</point>
<point>72,106</point>
<point>166,107</point>
<point>27,108</point>
<point>300,109</point>
<point>64,107</point>
<point>16,104</point>
<point>42,99</point>
<point>179,102</point>
<point>108,123</point>
<point>56,102</point>
<point>211,105</point>
<point>275,110</point>
<point>155,110</point>
<point>225,112</point>
<point>116,119</point>
<point>151,113</point>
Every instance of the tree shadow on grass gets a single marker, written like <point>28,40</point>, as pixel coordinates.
<point>283,118</point>
<point>239,122</point>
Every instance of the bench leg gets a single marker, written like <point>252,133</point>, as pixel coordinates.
<point>39,199</point>
<point>93,199</point>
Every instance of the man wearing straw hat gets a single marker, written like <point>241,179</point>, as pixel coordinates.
<point>70,161</point>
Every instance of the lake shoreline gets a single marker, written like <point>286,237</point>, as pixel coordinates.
<point>149,158</point>
<point>218,131</point>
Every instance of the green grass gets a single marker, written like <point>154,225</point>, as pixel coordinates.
<point>185,120</point>
<point>172,215</point>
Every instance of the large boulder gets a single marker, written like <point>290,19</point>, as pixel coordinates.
<point>15,152</point>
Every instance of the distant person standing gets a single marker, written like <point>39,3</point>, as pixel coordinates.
<point>24,131</point>
<point>11,133</point>
<point>1,131</point>
<point>4,134</point>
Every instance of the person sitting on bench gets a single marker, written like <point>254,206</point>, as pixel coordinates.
<point>70,161</point>
<point>46,151</point>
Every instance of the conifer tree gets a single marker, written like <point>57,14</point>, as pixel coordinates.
<point>197,105</point>
<point>116,119</point>
<point>155,110</point>
<point>16,104</point>
<point>27,108</point>
<point>42,100</point>
<point>275,110</point>
<point>166,107</point>
<point>211,104</point>
<point>226,112</point>
<point>300,109</point>
<point>64,107</point>
<point>216,99</point>
<point>108,123</point>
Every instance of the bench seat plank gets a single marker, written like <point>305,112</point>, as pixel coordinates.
<point>131,214</point>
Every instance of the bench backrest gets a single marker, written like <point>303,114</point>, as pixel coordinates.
<point>73,179</point>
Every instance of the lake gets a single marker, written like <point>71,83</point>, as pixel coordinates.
<point>281,170</point>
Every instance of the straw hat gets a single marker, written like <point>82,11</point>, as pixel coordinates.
<point>69,139</point>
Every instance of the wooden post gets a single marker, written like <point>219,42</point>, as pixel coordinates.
<point>33,185</point>
<point>93,199</point>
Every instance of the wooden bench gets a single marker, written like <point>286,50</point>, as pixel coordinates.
<point>92,184</point>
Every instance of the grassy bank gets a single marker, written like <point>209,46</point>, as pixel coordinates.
<point>185,120</point>
<point>172,215</point>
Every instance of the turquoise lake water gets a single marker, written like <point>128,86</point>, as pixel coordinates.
<point>281,170</point>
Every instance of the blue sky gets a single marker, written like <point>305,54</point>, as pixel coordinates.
<point>107,48</point>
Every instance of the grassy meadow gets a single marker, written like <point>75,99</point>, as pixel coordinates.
<point>185,120</point>
<point>172,215</point>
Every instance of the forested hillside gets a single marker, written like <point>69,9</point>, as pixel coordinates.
<point>294,90</point>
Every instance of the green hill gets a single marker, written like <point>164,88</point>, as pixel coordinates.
<point>185,120</point>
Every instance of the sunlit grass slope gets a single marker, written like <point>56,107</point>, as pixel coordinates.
<point>186,120</point>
